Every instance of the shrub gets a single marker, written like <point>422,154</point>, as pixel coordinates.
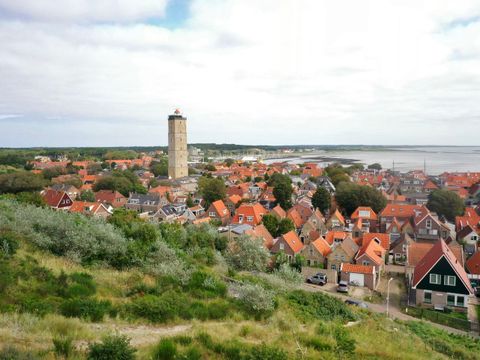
<point>265,352</point>
<point>9,243</point>
<point>11,353</point>
<point>91,309</point>
<point>192,353</point>
<point>155,308</point>
<point>345,343</point>
<point>165,350</point>
<point>205,286</point>
<point>63,346</point>
<point>111,348</point>
<point>246,253</point>
<point>254,298</point>
<point>320,306</point>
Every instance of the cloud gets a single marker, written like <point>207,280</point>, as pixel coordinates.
<point>83,10</point>
<point>270,72</point>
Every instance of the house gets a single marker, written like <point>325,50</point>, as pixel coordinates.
<point>110,197</point>
<point>232,202</point>
<point>398,249</point>
<point>312,229</point>
<point>367,217</point>
<point>71,190</point>
<point>197,210</point>
<point>402,213</point>
<point>289,244</point>
<point>251,214</point>
<point>278,212</point>
<point>305,210</point>
<point>417,251</point>
<point>315,253</point>
<point>336,221</point>
<point>343,252</point>
<point>294,215</point>
<point>149,203</point>
<point>56,199</point>
<point>167,213</point>
<point>469,238</point>
<point>428,227</point>
<point>324,181</point>
<point>359,275</point>
<point>372,253</point>
<point>382,239</point>
<point>439,281</point>
<point>90,208</point>
<point>261,232</point>
<point>473,264</point>
<point>218,211</point>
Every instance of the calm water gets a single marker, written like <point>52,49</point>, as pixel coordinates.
<point>437,159</point>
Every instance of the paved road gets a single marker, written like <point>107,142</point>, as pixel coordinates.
<point>394,311</point>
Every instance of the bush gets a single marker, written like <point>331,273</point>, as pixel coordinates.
<point>154,308</point>
<point>9,243</point>
<point>345,343</point>
<point>265,352</point>
<point>320,306</point>
<point>192,353</point>
<point>63,346</point>
<point>246,253</point>
<point>165,350</point>
<point>91,309</point>
<point>111,348</point>
<point>11,353</point>
<point>203,285</point>
<point>254,298</point>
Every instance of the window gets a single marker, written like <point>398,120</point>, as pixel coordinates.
<point>435,279</point>
<point>427,297</point>
<point>334,267</point>
<point>282,246</point>
<point>365,263</point>
<point>460,301</point>
<point>428,224</point>
<point>451,300</point>
<point>212,214</point>
<point>250,218</point>
<point>449,280</point>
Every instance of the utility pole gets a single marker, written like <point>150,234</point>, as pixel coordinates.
<point>388,294</point>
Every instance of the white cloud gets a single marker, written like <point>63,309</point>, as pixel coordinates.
<point>279,72</point>
<point>84,10</point>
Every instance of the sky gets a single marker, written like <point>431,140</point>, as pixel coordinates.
<point>109,72</point>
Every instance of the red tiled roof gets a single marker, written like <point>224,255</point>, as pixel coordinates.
<point>254,210</point>
<point>332,235</point>
<point>279,211</point>
<point>383,238</point>
<point>439,250</point>
<point>322,246</point>
<point>291,238</point>
<point>356,214</point>
<point>52,198</point>
<point>374,251</point>
<point>473,264</point>
<point>356,268</point>
<point>261,231</point>
<point>294,215</point>
<point>400,210</point>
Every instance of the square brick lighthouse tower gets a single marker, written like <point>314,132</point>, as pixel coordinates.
<point>177,145</point>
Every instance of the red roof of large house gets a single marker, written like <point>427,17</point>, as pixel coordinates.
<point>52,197</point>
<point>279,212</point>
<point>469,218</point>
<point>439,250</point>
<point>261,231</point>
<point>374,251</point>
<point>371,214</point>
<point>322,246</point>
<point>256,211</point>
<point>220,208</point>
<point>400,210</point>
<point>332,235</point>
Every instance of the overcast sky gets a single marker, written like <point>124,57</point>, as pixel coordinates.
<point>108,72</point>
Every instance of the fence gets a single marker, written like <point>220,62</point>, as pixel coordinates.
<point>440,318</point>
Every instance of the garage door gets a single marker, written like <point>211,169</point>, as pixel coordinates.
<point>357,279</point>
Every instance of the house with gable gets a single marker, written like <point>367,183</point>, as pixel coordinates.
<point>473,264</point>
<point>336,221</point>
<point>111,198</point>
<point>58,200</point>
<point>289,244</point>
<point>428,227</point>
<point>218,211</point>
<point>342,252</point>
<point>95,209</point>
<point>367,217</point>
<point>316,252</point>
<point>250,214</point>
<point>278,212</point>
<point>439,281</point>
<point>372,253</point>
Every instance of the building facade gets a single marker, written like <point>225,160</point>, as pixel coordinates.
<point>177,146</point>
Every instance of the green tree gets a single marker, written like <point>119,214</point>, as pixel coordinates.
<point>446,203</point>
<point>350,196</point>
<point>52,172</point>
<point>284,226</point>
<point>112,348</point>
<point>271,223</point>
<point>122,181</point>
<point>283,194</point>
<point>33,198</point>
<point>87,195</point>
<point>375,166</point>
<point>211,189</point>
<point>321,199</point>
<point>160,168</point>
<point>247,254</point>
<point>21,181</point>
<point>229,162</point>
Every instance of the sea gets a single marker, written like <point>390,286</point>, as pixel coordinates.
<point>434,159</point>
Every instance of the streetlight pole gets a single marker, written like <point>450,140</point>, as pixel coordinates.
<point>388,294</point>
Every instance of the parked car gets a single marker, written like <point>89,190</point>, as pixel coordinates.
<point>358,303</point>
<point>342,287</point>
<point>318,279</point>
